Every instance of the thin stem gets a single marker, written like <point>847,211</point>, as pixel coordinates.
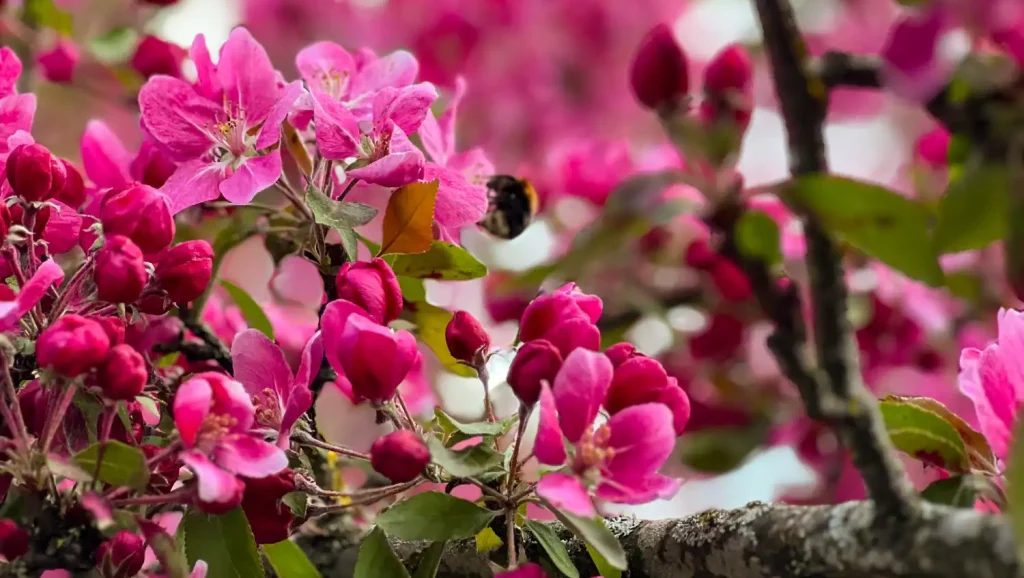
<point>510,535</point>
<point>176,497</point>
<point>293,196</point>
<point>365,499</point>
<point>18,422</point>
<point>488,490</point>
<point>71,288</point>
<point>348,188</point>
<point>485,377</point>
<point>305,439</point>
<point>56,416</point>
<point>405,411</point>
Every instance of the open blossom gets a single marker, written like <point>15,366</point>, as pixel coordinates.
<point>279,396</point>
<point>16,110</point>
<point>214,416</point>
<point>617,461</point>
<point>565,317</point>
<point>223,130</point>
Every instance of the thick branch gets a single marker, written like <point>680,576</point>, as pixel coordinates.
<point>759,540</point>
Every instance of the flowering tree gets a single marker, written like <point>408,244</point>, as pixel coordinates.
<point>218,354</point>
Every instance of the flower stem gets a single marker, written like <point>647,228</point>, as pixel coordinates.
<point>308,440</point>
<point>348,188</point>
<point>56,416</point>
<point>176,497</point>
<point>16,421</point>
<point>485,378</point>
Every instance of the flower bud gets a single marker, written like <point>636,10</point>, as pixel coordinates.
<point>13,540</point>
<point>373,286</point>
<point>123,375</point>
<point>140,213</point>
<point>72,345</point>
<point>467,340</point>
<point>658,75</point>
<point>731,70</point>
<point>218,508</point>
<point>59,62</point>
<point>155,303</point>
<point>113,327</point>
<point>185,271</point>
<point>535,362</point>
<point>121,556</point>
<point>699,255</point>
<point>155,56</point>
<point>34,173</point>
<point>638,379</point>
<point>932,149</point>
<point>400,456</point>
<point>152,166</point>
<point>120,273</point>
<point>719,340</point>
<point>269,519</point>
<point>565,318</point>
<point>732,283</point>
<point>73,193</point>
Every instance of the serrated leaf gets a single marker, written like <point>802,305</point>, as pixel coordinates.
<point>337,214</point>
<point>972,212</point>
<point>377,559</point>
<point>553,546</point>
<point>412,289</point>
<point>409,219</point>
<point>251,310</point>
<point>349,243</point>
<point>872,219</point>
<point>596,535</point>
<point>297,502</point>
<point>430,561</point>
<point>434,516</point>
<point>464,463</point>
<point>431,322</point>
<point>67,469</point>
<point>116,46</point>
<point>443,261</point>
<point>487,541</point>
<point>122,464</point>
<point>980,455</point>
<point>450,426</point>
<point>924,435</point>
<point>289,561</point>
<point>757,237</point>
<point>224,542</point>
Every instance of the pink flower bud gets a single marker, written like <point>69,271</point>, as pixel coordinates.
<point>269,519</point>
<point>59,62</point>
<point>732,283</point>
<point>140,213</point>
<point>467,340</point>
<point>400,456</point>
<point>121,556</point>
<point>373,286</point>
<point>155,56</point>
<point>218,508</point>
<point>34,173</point>
<point>932,148</point>
<point>185,271</point>
<point>123,375</point>
<point>120,273</point>
<point>699,255</point>
<point>72,345</point>
<point>152,166</point>
<point>658,75</point>
<point>719,340</point>
<point>535,362</point>
<point>113,327</point>
<point>565,317</point>
<point>73,193</point>
<point>730,71</point>
<point>13,540</point>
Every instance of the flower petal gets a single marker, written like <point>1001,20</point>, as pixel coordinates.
<point>323,64</point>
<point>247,77</point>
<point>301,398</point>
<point>207,83</point>
<point>10,70</point>
<point>48,274</point>
<point>394,170</point>
<point>549,446</point>
<point>259,364</point>
<point>247,456</point>
<point>16,114</point>
<point>643,438</point>
<point>191,406</point>
<point>579,390</point>
<point>215,484</point>
<point>332,325</point>
<point>192,183</point>
<point>104,157</point>
<point>177,117</point>
<point>566,492</point>
<point>298,280</point>
<point>253,176</point>
<point>351,425</point>
<point>271,131</point>
<point>337,129</point>
<point>656,487</point>
<point>459,202</point>
<point>394,70</point>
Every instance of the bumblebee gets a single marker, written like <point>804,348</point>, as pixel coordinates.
<point>512,205</point>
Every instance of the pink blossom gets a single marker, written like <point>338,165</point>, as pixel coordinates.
<point>993,378</point>
<point>222,129</point>
<point>565,317</point>
<point>619,460</point>
<point>913,67</point>
<point>16,110</point>
<point>214,415</point>
<point>59,62</point>
<point>354,79</point>
<point>11,312</point>
<point>279,396</point>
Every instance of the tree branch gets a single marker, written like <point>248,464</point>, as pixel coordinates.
<point>758,540</point>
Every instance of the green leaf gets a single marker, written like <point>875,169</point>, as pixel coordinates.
<point>122,464</point>
<point>372,247</point>
<point>377,559</point>
<point>874,220</point>
<point>604,568</point>
<point>431,322</point>
<point>412,289</point>
<point>924,435</point>
<point>720,450</point>
<point>429,561</point>
<point>466,462</point>
<point>297,502</point>
<point>972,212</point>
<point>757,236</point>
<point>337,214</point>
<point>487,541</point>
<point>44,13</point>
<point>251,310</point>
<point>349,243</point>
<point>965,285</point>
<point>957,491</point>
<point>451,427</point>
<point>434,516</point>
<point>289,561</point>
<point>443,261</point>
<point>67,469</point>
<point>979,453</point>
<point>225,542</point>
<point>553,546</point>
<point>596,535</point>
<point>171,558</point>
<point>1015,489</point>
<point>115,46</point>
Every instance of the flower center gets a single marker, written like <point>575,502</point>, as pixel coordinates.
<point>213,428</point>
<point>592,452</point>
<point>268,409</point>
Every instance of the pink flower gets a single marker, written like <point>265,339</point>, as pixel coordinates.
<point>619,460</point>
<point>59,62</point>
<point>566,318</point>
<point>16,110</point>
<point>912,65</point>
<point>214,416</point>
<point>280,396</point>
<point>223,130</point>
<point>993,378</point>
<point>525,571</point>
<point>108,164</point>
<point>11,312</point>
<point>373,286</point>
<point>374,359</point>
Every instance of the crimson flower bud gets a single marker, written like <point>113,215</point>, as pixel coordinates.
<point>5,221</point>
<point>34,173</point>
<point>638,379</point>
<point>218,508</point>
<point>155,56</point>
<point>72,345</point>
<point>719,340</point>
<point>120,273</point>
<point>535,362</point>
<point>565,317</point>
<point>932,148</point>
<point>123,375</point>
<point>732,283</point>
<point>155,303</point>
<point>400,456</point>
<point>729,70</point>
<point>73,193</point>
<point>699,255</point>
<point>185,271</point>
<point>59,62</point>
<point>113,327</point>
<point>140,213</point>
<point>269,519</point>
<point>467,340</point>
<point>13,540</point>
<point>373,286</point>
<point>658,74</point>
<point>121,556</point>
